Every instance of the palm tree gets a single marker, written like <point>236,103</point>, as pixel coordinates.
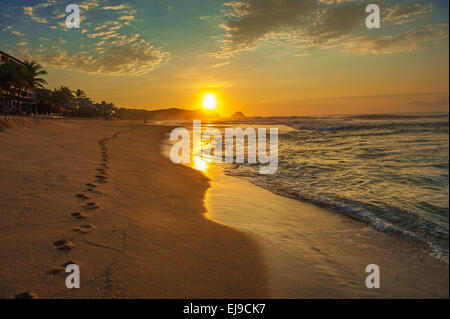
<point>61,98</point>
<point>111,109</point>
<point>33,75</point>
<point>34,72</point>
<point>79,94</point>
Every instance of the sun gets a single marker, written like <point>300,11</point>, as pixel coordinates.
<point>209,101</point>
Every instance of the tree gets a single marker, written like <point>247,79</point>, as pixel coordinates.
<point>61,98</point>
<point>33,73</point>
<point>79,94</point>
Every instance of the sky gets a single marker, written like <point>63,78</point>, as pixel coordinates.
<point>261,57</point>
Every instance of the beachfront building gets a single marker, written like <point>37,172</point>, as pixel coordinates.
<point>86,108</point>
<point>85,104</point>
<point>14,99</point>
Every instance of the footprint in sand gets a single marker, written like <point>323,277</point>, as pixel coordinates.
<point>101,179</point>
<point>84,229</point>
<point>91,188</point>
<point>91,206</point>
<point>56,271</point>
<point>82,196</point>
<point>70,262</point>
<point>78,215</point>
<point>62,269</point>
<point>63,244</point>
<point>26,295</point>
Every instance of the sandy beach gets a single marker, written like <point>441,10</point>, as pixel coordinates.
<point>100,194</point>
<point>148,237</point>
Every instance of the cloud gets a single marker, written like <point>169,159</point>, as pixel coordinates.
<point>120,60</point>
<point>119,7</point>
<point>252,20</point>
<point>220,64</point>
<point>126,18</point>
<point>104,45</point>
<point>401,14</point>
<point>321,24</point>
<point>335,23</point>
<point>29,12</point>
<point>22,43</point>
<point>101,34</point>
<point>415,39</point>
<point>440,102</point>
<point>89,4</point>
<point>10,28</point>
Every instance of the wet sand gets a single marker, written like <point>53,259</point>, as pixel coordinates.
<point>311,252</point>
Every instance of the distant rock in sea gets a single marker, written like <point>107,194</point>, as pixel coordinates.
<point>238,115</point>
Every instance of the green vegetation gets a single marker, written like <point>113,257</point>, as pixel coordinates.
<point>23,92</point>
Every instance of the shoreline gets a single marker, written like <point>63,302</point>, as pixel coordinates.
<point>335,248</point>
<point>421,243</point>
<point>316,253</point>
<point>168,231</point>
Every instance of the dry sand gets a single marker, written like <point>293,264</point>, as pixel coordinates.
<point>145,234</point>
<point>148,237</point>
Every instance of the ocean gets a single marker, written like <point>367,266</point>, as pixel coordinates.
<point>389,171</point>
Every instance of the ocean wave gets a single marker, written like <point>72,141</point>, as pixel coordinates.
<point>390,172</point>
<point>359,214</point>
<point>396,116</point>
<point>349,126</point>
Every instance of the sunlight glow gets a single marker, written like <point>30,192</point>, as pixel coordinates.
<point>200,164</point>
<point>209,101</point>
